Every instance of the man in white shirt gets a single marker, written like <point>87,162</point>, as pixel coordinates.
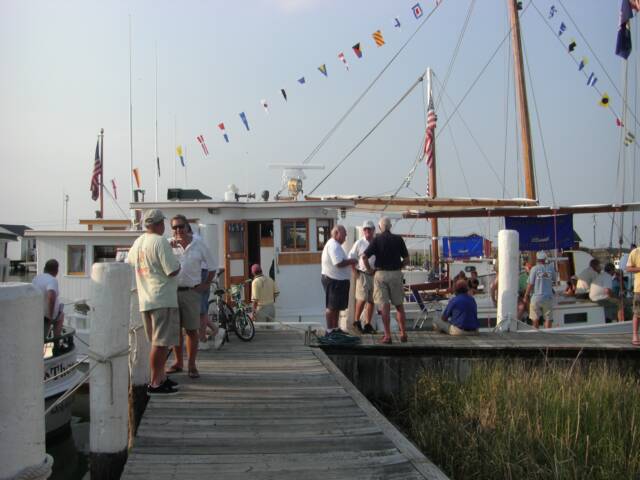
<point>48,284</point>
<point>585,278</point>
<point>336,276</point>
<point>364,279</point>
<point>601,292</point>
<point>192,254</point>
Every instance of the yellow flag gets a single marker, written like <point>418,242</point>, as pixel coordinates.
<point>604,101</point>
<point>378,38</point>
<point>179,150</point>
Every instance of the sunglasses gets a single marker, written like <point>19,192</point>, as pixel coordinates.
<point>180,227</point>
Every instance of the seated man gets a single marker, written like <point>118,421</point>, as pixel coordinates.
<point>585,278</point>
<point>263,295</point>
<point>461,315</point>
<point>601,292</point>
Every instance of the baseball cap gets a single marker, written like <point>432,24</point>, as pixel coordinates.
<point>151,217</point>
<point>541,255</point>
<point>368,224</point>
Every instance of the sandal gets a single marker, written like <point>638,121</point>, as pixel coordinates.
<point>635,343</point>
<point>404,338</point>
<point>386,341</point>
<point>193,373</point>
<point>173,369</point>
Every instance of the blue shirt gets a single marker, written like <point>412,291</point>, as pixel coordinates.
<point>541,277</point>
<point>462,312</point>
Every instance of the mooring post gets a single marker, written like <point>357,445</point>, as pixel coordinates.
<point>139,348</point>
<point>21,383</point>
<point>109,351</point>
<point>508,273</point>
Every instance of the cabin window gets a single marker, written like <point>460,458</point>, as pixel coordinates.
<point>294,235</point>
<point>323,231</point>
<point>575,318</point>
<point>235,233</point>
<point>76,259</point>
<point>108,253</point>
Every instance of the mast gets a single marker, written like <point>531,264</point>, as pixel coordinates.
<point>435,258</point>
<point>101,173</point>
<point>523,106</point>
<point>156,128</point>
<point>133,214</point>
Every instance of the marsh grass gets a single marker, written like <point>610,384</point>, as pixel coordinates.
<point>516,421</point>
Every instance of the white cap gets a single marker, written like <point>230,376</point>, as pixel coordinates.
<point>541,255</point>
<point>369,224</point>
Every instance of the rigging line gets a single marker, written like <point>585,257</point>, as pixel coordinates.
<point>409,177</point>
<point>114,201</point>
<point>635,144</point>
<point>506,121</point>
<point>544,147</point>
<point>405,95</point>
<point>482,70</point>
<point>473,137</point>
<point>575,60</point>
<point>456,50</point>
<point>595,56</point>
<point>625,68</point>
<point>363,94</point>
<point>614,222</point>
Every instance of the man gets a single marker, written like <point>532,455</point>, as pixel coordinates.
<point>156,270</point>
<point>461,315</point>
<point>601,292</point>
<point>263,295</point>
<point>391,255</point>
<point>336,277</point>
<point>585,278</point>
<point>633,266</point>
<point>541,282</point>
<point>624,259</point>
<point>192,253</point>
<point>364,279</point>
<point>48,284</point>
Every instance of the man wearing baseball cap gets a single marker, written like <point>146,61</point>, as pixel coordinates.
<point>156,269</point>
<point>364,278</point>
<point>263,295</point>
<point>541,282</point>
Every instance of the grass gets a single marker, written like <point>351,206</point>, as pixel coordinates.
<point>515,421</point>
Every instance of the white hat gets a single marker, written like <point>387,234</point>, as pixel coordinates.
<point>151,217</point>
<point>541,255</point>
<point>369,224</point>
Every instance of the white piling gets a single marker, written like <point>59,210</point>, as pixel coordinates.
<point>109,351</point>
<point>139,362</point>
<point>21,383</point>
<point>508,273</point>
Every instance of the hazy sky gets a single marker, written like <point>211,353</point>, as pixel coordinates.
<point>65,74</point>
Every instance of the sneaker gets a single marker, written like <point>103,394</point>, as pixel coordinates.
<point>204,345</point>
<point>368,329</point>
<point>219,338</point>
<point>170,382</point>
<point>358,326</point>
<point>163,389</point>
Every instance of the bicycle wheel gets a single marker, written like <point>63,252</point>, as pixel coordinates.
<point>244,327</point>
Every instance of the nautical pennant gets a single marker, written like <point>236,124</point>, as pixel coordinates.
<point>629,139</point>
<point>158,165</point>
<point>344,60</point>
<point>552,11</point>
<point>583,63</point>
<point>265,105</point>
<point>623,40</point>
<point>592,80</point>
<point>357,50</point>
<point>115,189</point>
<point>136,176</point>
<point>323,69</point>
<point>302,81</point>
<point>243,117</point>
<point>284,94</point>
<point>396,22</point>
<point>604,101</point>
<point>224,133</point>
<point>563,27</point>
<point>619,122</point>
<point>572,45</point>
<point>417,10</point>
<point>378,38</point>
<point>180,154</point>
<point>202,143</point>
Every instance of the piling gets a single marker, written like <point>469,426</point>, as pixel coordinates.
<point>139,348</point>
<point>21,384</point>
<point>108,351</point>
<point>508,273</point>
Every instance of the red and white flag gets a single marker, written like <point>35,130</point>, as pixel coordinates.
<point>430,139</point>
<point>200,139</point>
<point>115,190</point>
<point>344,60</point>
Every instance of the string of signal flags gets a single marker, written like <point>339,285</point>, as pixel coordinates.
<point>378,39</point>
<point>623,49</point>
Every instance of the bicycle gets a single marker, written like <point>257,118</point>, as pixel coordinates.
<point>233,317</point>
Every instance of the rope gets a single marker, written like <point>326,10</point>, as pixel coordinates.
<point>69,392</point>
<point>98,358</point>
<point>40,471</point>
<point>68,370</point>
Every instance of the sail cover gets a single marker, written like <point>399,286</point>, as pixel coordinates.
<point>462,247</point>
<point>542,233</point>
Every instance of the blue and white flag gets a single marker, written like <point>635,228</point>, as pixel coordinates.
<point>243,117</point>
<point>563,27</point>
<point>552,11</point>
<point>592,80</point>
<point>396,22</point>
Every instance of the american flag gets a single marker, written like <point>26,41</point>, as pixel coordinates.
<point>97,174</point>
<point>430,140</point>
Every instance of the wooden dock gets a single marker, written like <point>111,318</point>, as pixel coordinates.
<point>272,408</point>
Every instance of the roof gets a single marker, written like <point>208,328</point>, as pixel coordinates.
<point>7,235</point>
<point>84,233</point>
<point>16,229</point>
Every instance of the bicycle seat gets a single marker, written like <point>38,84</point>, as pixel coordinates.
<point>219,291</point>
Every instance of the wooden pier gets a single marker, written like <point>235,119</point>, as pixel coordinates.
<point>272,408</point>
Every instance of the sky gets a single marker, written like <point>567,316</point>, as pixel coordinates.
<point>66,75</point>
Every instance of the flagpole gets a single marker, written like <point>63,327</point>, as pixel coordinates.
<point>433,193</point>
<point>156,128</point>
<point>102,173</point>
<point>175,160</point>
<point>133,215</point>
<point>185,167</point>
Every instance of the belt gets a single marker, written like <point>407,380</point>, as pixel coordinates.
<point>365,273</point>
<point>184,289</point>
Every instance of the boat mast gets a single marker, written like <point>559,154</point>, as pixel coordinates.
<point>432,191</point>
<point>133,195</point>
<point>157,162</point>
<point>523,107</point>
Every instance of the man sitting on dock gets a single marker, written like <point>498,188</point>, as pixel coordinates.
<point>156,270</point>
<point>461,315</point>
<point>263,295</point>
<point>541,282</point>
<point>48,284</point>
<point>585,278</point>
<point>601,292</point>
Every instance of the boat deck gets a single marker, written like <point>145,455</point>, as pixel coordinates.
<point>272,408</point>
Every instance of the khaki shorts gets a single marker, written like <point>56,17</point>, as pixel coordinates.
<point>388,287</point>
<point>541,307</point>
<point>189,309</point>
<point>265,313</point>
<point>636,304</point>
<point>162,326</point>
<point>446,327</point>
<point>364,287</point>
